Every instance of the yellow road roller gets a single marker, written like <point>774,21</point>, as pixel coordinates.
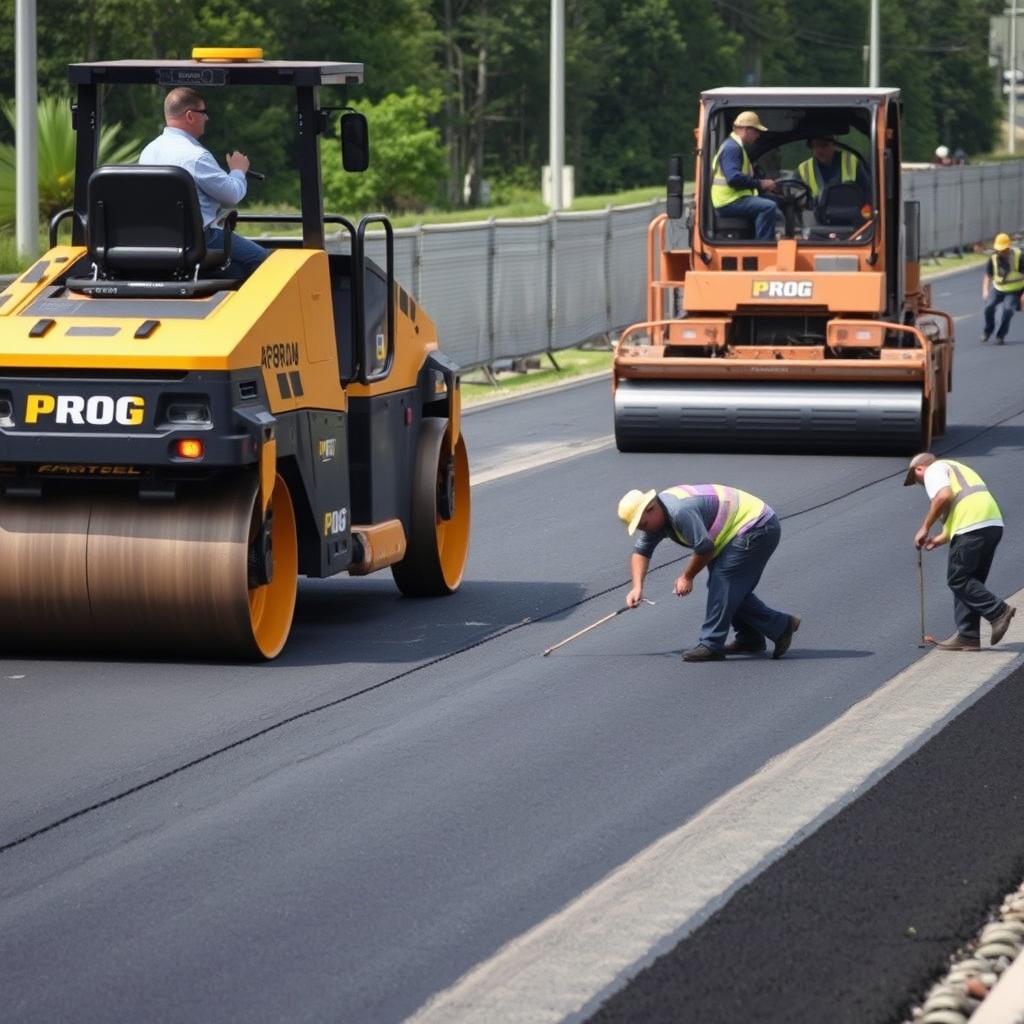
<point>178,447</point>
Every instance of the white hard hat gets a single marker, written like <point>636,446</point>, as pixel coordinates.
<point>942,152</point>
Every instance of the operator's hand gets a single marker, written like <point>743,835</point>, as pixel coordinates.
<point>684,585</point>
<point>768,185</point>
<point>238,162</point>
<point>937,541</point>
<point>634,597</point>
<point>921,537</point>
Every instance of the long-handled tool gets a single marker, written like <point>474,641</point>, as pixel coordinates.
<point>926,638</point>
<point>593,625</point>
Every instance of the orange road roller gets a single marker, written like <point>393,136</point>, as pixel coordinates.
<point>809,330</point>
<point>177,447</point>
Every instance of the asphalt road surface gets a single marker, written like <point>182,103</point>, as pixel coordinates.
<point>343,833</point>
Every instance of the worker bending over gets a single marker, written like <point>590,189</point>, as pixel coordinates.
<point>733,534</point>
<point>1002,286</point>
<point>973,527</point>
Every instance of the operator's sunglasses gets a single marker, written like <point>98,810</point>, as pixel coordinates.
<point>198,110</point>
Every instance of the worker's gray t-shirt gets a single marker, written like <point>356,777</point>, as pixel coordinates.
<point>689,521</point>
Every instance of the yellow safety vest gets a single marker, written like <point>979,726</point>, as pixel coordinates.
<point>1014,279</point>
<point>972,502</point>
<point>811,172</point>
<point>736,511</point>
<point>722,193</point>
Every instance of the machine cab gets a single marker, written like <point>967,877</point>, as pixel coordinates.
<point>825,150</point>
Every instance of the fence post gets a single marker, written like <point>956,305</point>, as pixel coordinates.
<point>552,280</point>
<point>608,243</point>
<point>417,262</point>
<point>961,242</point>
<point>492,259</point>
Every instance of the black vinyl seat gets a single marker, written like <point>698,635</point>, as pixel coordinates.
<point>145,235</point>
<point>840,203</point>
<point>731,228</point>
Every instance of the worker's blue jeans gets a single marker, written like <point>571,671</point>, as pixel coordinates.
<point>760,210</point>
<point>970,559</point>
<point>246,255</point>
<point>1010,302</point>
<point>732,577</point>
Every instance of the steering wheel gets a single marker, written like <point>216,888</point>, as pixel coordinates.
<point>793,190</point>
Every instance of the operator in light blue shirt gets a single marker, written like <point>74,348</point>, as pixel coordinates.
<point>186,116</point>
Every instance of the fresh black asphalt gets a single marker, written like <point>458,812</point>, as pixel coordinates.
<point>339,834</point>
<point>863,915</point>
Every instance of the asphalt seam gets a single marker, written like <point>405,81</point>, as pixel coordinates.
<point>490,637</point>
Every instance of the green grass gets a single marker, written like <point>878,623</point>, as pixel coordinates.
<point>967,259</point>
<point>574,362</point>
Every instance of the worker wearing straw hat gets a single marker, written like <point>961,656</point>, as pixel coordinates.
<point>732,534</point>
<point>1003,284</point>
<point>734,188</point>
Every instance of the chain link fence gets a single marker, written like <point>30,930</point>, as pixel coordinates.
<point>505,289</point>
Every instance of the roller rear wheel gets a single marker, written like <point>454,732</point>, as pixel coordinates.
<point>438,541</point>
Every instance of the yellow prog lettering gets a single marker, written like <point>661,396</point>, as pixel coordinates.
<point>38,405</point>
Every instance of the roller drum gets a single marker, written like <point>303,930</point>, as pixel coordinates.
<point>797,417</point>
<point>108,572</point>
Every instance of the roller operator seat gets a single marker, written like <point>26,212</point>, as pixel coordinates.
<point>145,235</point>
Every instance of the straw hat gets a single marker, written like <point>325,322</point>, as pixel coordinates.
<point>748,119</point>
<point>632,506</point>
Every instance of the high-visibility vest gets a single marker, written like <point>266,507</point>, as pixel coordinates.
<point>810,171</point>
<point>722,193</point>
<point>1014,279</point>
<point>737,511</point>
<point>972,502</point>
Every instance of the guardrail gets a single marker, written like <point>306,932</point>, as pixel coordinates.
<point>505,289</point>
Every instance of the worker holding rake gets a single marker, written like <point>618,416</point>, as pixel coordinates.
<point>732,534</point>
<point>972,526</point>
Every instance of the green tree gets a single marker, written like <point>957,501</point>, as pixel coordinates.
<point>56,157</point>
<point>407,160</point>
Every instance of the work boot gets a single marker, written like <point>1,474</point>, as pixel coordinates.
<point>782,644</point>
<point>985,338</point>
<point>959,643</point>
<point>1001,623</point>
<point>745,646</point>
<point>1000,340</point>
<point>702,653</point>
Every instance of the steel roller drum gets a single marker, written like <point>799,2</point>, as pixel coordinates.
<point>720,416</point>
<point>108,572</point>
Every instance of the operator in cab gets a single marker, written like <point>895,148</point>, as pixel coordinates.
<point>186,117</point>
<point>734,189</point>
<point>830,165</point>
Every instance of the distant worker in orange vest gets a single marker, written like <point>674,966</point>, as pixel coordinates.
<point>1002,286</point>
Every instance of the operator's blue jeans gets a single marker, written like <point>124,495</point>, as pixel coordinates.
<point>1010,301</point>
<point>246,255</point>
<point>760,210</point>
<point>732,577</point>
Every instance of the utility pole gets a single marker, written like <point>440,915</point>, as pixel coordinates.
<point>556,115</point>
<point>26,130</point>
<point>1012,141</point>
<point>874,45</point>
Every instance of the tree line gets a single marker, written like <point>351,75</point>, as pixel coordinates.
<point>457,90</point>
